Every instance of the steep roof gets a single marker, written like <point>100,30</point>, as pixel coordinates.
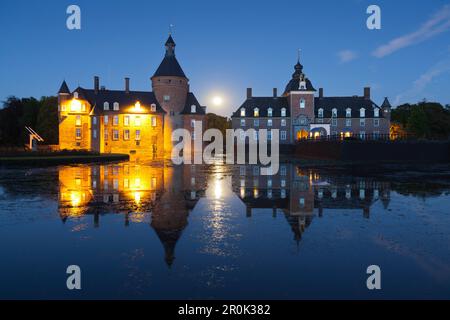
<point>297,77</point>
<point>190,101</point>
<point>64,89</point>
<point>386,103</point>
<point>355,103</point>
<point>169,65</point>
<point>263,104</point>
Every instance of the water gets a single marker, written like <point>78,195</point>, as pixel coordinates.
<point>150,230</point>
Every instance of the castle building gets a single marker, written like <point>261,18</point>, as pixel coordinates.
<point>126,121</point>
<point>299,114</point>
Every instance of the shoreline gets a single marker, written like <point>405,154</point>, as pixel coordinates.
<point>45,160</point>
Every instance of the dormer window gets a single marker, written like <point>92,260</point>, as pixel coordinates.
<point>376,112</point>
<point>302,103</point>
<point>302,85</point>
<point>193,109</point>
<point>106,105</point>
<point>334,113</point>
<point>283,112</point>
<point>242,112</point>
<point>348,113</point>
<point>362,113</point>
<point>256,112</point>
<point>320,113</point>
<point>153,108</point>
<point>116,106</point>
<point>269,112</point>
<point>75,95</point>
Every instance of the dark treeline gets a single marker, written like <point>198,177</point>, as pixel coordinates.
<point>425,120</point>
<point>17,113</point>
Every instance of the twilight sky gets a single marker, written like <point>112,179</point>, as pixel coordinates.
<point>226,46</point>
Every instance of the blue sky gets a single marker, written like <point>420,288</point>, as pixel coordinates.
<point>226,46</point>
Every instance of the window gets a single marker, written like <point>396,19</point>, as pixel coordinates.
<point>269,135</point>
<point>283,112</point>
<point>166,98</point>
<point>256,171</point>
<point>94,134</point>
<point>137,121</point>
<point>138,135</point>
<point>256,112</point>
<point>106,105</point>
<point>193,109</point>
<point>362,113</point>
<point>256,122</point>
<point>193,136</point>
<point>75,95</point>
<point>334,113</point>
<point>94,120</point>
<point>376,134</point>
<point>302,121</point>
<point>362,122</point>
<point>126,120</point>
<point>105,120</point>
<point>283,183</point>
<point>106,134</point>
<point>283,135</point>
<point>192,123</point>
<point>283,122</point>
<point>348,113</point>
<point>116,120</point>
<point>334,122</point>
<point>376,122</point>
<point>362,134</point>
<point>115,134</point>
<point>269,183</point>
<point>283,170</point>
<point>348,122</point>
<point>269,122</point>
<point>269,112</point>
<point>153,107</point>
<point>302,103</point>
<point>153,121</point>
<point>376,112</point>
<point>242,122</point>
<point>242,112</point>
<point>78,133</point>
<point>126,134</point>
<point>116,106</point>
<point>242,171</point>
<point>83,107</point>
<point>78,121</point>
<point>320,113</point>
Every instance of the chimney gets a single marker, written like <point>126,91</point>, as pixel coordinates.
<point>367,93</point>
<point>96,84</point>
<point>249,93</point>
<point>320,92</point>
<point>127,85</point>
<point>275,92</point>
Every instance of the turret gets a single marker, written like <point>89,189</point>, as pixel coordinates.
<point>386,108</point>
<point>63,93</point>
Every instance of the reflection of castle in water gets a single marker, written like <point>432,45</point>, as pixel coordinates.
<point>305,194</point>
<point>166,194</point>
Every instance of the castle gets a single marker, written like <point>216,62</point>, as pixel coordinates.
<point>126,121</point>
<point>298,114</point>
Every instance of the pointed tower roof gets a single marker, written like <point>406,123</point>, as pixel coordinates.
<point>297,77</point>
<point>170,66</point>
<point>386,103</point>
<point>64,89</point>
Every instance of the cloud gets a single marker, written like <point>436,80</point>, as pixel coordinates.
<point>347,55</point>
<point>442,67</point>
<point>438,23</point>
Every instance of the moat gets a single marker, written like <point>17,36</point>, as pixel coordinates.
<point>151,230</point>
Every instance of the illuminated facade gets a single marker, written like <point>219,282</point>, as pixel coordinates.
<point>126,121</point>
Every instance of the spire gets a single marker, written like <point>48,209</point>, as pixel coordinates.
<point>170,46</point>
<point>386,103</point>
<point>169,66</point>
<point>64,89</point>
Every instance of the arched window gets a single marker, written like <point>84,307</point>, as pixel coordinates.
<point>302,103</point>
<point>334,113</point>
<point>362,113</point>
<point>242,112</point>
<point>193,109</point>
<point>269,112</point>
<point>116,106</point>
<point>256,112</point>
<point>320,113</point>
<point>283,112</point>
<point>348,113</point>
<point>106,105</point>
<point>376,112</point>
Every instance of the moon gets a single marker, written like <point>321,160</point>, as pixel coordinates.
<point>217,100</point>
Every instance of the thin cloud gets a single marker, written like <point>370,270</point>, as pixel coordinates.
<point>438,23</point>
<point>347,55</point>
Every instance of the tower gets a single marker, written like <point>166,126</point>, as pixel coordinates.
<point>171,87</point>
<point>386,109</point>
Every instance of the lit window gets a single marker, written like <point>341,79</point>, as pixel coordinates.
<point>242,122</point>
<point>106,105</point>
<point>376,112</point>
<point>126,135</point>
<point>302,103</point>
<point>269,112</point>
<point>362,122</point>
<point>283,135</point>
<point>153,121</point>
<point>116,106</point>
<point>75,95</point>
<point>153,108</point>
<point>256,122</point>
<point>105,120</point>
<point>348,113</point>
<point>362,112</point>
<point>116,120</point>
<point>78,133</point>
<point>193,109</point>
<point>242,112</point>
<point>320,113</point>
<point>283,122</point>
<point>166,98</point>
<point>83,107</point>
<point>115,134</point>
<point>256,112</point>
<point>283,112</point>
<point>334,113</point>
<point>269,122</point>
<point>137,121</point>
<point>126,120</point>
<point>138,135</point>
<point>376,122</point>
<point>78,121</point>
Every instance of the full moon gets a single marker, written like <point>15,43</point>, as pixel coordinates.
<point>217,101</point>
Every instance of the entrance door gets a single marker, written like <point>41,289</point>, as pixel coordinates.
<point>302,134</point>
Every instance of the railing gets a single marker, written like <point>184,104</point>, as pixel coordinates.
<point>358,137</point>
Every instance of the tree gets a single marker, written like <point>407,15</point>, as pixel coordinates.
<point>47,120</point>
